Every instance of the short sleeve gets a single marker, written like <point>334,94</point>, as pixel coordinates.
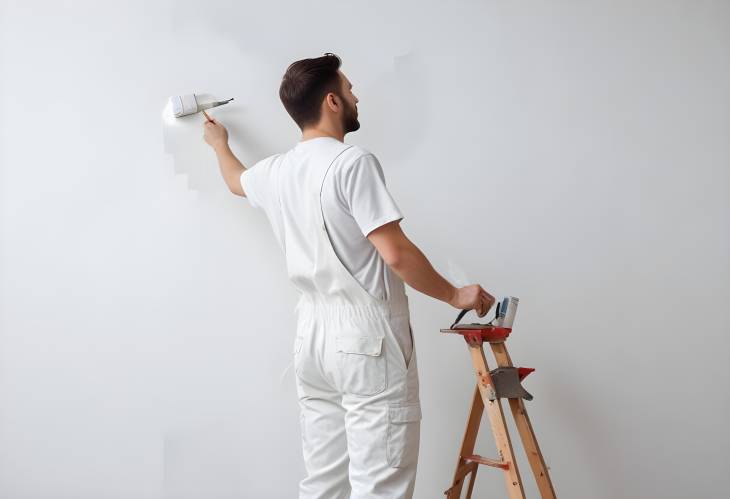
<point>367,196</point>
<point>253,182</point>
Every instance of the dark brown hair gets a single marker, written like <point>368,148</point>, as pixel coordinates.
<point>305,84</point>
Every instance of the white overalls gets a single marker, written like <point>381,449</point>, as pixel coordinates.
<point>358,391</point>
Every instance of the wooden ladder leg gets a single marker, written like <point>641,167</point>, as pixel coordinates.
<point>472,479</point>
<point>497,421</point>
<point>527,434</point>
<point>467,447</point>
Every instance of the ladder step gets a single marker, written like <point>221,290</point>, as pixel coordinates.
<point>476,458</point>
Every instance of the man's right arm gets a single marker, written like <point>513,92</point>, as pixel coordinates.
<point>406,260</point>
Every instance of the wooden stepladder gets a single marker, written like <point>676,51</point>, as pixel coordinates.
<point>502,382</point>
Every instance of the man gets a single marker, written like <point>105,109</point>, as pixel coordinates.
<point>354,354</point>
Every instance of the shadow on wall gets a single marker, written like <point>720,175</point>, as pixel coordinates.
<point>395,114</point>
<point>589,430</point>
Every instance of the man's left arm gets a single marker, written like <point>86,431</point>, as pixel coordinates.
<point>231,168</point>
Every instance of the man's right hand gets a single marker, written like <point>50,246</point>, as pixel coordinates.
<point>214,133</point>
<point>474,297</point>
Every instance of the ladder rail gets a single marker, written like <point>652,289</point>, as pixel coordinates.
<point>524,428</point>
<point>497,421</point>
<point>467,444</point>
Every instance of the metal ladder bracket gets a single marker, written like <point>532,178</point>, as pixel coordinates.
<point>507,384</point>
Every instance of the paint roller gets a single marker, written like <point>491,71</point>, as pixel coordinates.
<point>183,105</point>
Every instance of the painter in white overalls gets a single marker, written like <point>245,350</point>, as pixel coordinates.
<point>354,355</point>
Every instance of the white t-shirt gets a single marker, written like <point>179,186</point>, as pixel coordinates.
<point>355,201</point>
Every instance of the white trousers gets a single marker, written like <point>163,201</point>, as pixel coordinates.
<point>360,410</point>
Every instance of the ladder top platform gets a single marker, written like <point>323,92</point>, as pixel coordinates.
<point>487,332</point>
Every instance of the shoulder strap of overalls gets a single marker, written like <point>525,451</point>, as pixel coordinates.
<point>330,155</point>
<point>333,154</point>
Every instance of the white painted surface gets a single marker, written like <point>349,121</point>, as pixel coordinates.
<point>145,315</point>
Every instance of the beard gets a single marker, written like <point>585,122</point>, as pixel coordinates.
<point>350,123</point>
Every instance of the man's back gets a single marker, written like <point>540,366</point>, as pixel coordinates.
<point>354,197</point>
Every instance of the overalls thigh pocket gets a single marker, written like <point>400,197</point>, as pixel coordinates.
<point>404,432</point>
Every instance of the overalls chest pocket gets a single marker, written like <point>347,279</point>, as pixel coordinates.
<point>361,364</point>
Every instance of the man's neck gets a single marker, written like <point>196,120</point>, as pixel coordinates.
<point>311,133</point>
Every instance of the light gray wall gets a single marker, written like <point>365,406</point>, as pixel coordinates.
<point>573,154</point>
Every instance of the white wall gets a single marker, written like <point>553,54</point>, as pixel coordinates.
<point>574,154</point>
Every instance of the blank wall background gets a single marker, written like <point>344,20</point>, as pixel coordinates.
<point>573,154</point>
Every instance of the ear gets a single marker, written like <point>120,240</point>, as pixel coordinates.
<point>333,101</point>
